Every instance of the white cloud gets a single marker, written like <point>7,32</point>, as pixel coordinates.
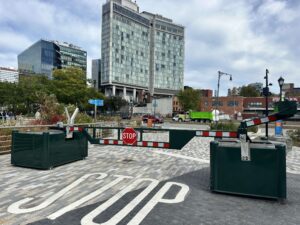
<point>239,37</point>
<point>32,20</point>
<point>12,41</point>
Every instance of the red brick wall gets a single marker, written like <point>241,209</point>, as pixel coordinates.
<point>176,105</point>
<point>226,104</point>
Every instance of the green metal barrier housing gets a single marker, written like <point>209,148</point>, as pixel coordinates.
<point>263,176</point>
<point>48,149</point>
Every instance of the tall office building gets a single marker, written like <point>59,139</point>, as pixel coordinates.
<point>44,56</point>
<point>142,54</point>
<point>9,75</point>
<point>96,73</point>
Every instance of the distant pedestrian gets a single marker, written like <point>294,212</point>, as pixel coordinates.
<point>4,115</point>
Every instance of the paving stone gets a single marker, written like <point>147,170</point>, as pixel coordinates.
<point>189,166</point>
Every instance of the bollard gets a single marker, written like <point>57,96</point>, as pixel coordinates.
<point>278,128</point>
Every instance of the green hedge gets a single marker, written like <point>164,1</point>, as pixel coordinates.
<point>230,126</point>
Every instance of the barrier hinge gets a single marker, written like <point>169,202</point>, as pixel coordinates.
<point>245,148</point>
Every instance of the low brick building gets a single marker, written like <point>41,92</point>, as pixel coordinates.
<point>229,105</point>
<point>232,105</point>
<point>176,105</point>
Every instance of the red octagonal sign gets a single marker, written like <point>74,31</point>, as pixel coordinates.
<point>129,136</point>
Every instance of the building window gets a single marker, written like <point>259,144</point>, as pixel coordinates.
<point>215,103</point>
<point>255,104</point>
<point>232,103</point>
<point>157,67</point>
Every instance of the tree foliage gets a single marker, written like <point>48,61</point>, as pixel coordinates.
<point>249,91</point>
<point>189,99</point>
<point>114,103</point>
<point>68,86</point>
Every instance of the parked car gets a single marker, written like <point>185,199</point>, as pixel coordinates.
<point>125,116</point>
<point>155,119</point>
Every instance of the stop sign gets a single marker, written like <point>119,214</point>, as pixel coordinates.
<point>129,136</point>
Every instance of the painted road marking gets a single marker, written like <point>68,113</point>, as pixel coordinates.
<point>88,219</point>
<point>15,207</point>
<point>120,215</point>
<point>181,156</point>
<point>92,195</point>
<point>158,198</point>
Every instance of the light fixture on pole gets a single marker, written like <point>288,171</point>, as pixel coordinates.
<point>220,74</point>
<point>280,82</point>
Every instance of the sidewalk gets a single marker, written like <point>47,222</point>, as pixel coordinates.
<point>99,199</point>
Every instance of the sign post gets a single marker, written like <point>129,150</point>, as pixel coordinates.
<point>95,113</point>
<point>96,102</point>
<point>129,136</point>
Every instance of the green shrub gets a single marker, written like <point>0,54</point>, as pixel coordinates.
<point>230,126</point>
<point>253,129</point>
<point>295,136</point>
<point>83,118</point>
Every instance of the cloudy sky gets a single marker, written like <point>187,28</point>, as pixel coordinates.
<point>242,37</point>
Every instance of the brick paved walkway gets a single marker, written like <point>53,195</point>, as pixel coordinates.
<point>189,167</point>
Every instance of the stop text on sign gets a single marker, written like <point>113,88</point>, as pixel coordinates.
<point>129,136</point>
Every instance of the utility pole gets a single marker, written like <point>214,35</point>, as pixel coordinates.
<point>217,102</point>
<point>266,94</point>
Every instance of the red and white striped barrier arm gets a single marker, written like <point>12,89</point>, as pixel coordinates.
<point>70,130</point>
<point>153,144</point>
<point>221,134</point>
<point>80,129</point>
<point>258,121</point>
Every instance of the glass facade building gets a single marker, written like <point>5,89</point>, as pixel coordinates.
<point>96,73</point>
<point>44,56</point>
<point>9,75</point>
<point>140,52</point>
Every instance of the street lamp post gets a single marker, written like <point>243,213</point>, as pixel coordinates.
<point>266,94</point>
<point>220,74</point>
<point>280,82</point>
